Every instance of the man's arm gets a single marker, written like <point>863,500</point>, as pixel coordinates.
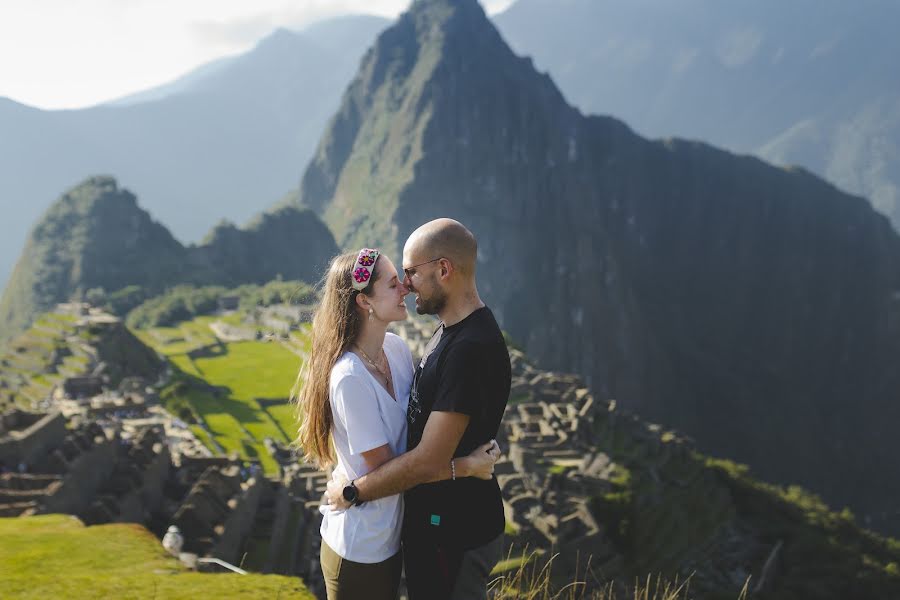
<point>429,461</point>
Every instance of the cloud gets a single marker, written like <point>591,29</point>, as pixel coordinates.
<point>228,34</point>
<point>245,29</point>
<point>65,54</point>
<point>739,46</point>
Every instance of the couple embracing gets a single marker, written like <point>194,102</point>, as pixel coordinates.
<point>411,445</point>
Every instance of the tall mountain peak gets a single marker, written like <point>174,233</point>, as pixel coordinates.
<point>438,61</point>
<point>705,290</point>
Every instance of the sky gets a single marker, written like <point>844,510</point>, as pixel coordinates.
<point>57,54</point>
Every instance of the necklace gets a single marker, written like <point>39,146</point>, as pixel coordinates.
<point>387,376</point>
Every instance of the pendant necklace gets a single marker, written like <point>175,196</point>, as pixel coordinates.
<point>386,376</point>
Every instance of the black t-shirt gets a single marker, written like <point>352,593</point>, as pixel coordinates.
<point>465,370</point>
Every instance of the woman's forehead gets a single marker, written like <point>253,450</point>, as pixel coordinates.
<point>390,270</point>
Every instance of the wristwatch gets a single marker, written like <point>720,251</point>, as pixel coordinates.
<point>351,494</point>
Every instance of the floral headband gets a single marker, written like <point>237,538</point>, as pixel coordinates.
<point>362,270</point>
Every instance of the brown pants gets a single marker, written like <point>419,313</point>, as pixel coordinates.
<point>348,580</point>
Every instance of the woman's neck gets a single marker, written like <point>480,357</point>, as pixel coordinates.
<point>371,338</point>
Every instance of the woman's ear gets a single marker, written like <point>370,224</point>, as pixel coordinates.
<point>362,301</point>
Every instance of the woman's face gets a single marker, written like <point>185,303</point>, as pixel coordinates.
<point>388,294</point>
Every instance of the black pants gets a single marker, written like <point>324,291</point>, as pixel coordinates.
<point>440,572</point>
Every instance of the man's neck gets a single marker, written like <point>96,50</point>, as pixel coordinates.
<point>462,307</point>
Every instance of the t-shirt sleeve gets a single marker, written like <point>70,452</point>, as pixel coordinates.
<point>463,387</point>
<point>357,406</point>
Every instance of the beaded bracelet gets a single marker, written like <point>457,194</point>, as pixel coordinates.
<point>452,470</point>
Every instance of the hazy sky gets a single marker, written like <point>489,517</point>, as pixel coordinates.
<point>75,53</point>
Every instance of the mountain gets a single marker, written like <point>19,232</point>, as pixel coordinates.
<point>810,82</point>
<point>224,140</point>
<point>753,307</point>
<point>96,236</point>
<point>285,242</point>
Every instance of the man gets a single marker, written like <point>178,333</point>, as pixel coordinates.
<point>453,528</point>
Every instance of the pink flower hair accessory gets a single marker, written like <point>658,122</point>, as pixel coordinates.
<point>362,270</point>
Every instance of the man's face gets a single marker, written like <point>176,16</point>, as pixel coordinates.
<point>421,277</point>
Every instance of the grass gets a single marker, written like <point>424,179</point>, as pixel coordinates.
<point>283,415</point>
<point>56,556</point>
<point>29,368</point>
<point>245,371</point>
<point>530,577</point>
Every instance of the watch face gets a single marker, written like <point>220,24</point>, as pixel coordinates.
<point>349,493</point>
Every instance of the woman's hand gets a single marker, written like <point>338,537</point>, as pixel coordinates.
<point>334,492</point>
<point>480,463</point>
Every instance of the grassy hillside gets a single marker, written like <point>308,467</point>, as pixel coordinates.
<point>60,345</point>
<point>56,556</point>
<point>238,389</point>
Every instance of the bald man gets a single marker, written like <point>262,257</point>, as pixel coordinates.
<point>453,529</point>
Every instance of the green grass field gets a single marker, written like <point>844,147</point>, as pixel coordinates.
<point>249,370</point>
<point>56,556</point>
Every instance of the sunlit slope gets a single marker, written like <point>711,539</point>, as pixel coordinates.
<point>56,556</point>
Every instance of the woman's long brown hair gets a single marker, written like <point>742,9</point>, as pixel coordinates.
<point>335,326</point>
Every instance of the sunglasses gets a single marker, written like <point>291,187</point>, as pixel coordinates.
<point>412,270</point>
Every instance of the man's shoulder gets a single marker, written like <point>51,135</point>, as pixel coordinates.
<point>480,328</point>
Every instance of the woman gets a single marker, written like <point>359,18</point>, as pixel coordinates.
<point>355,395</point>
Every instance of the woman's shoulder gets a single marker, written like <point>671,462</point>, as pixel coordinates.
<point>395,342</point>
<point>346,366</point>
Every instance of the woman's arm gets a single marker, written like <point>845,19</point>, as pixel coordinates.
<point>377,456</point>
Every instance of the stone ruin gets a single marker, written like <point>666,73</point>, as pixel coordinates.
<point>134,470</point>
<point>85,386</point>
<point>133,490</point>
<point>24,436</point>
<point>87,471</point>
<point>218,512</point>
<point>551,472</point>
<point>234,513</point>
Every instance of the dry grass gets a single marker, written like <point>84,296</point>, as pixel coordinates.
<point>533,580</point>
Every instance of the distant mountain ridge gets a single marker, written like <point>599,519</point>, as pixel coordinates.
<point>808,82</point>
<point>813,86</point>
<point>224,140</point>
<point>752,307</point>
<point>96,236</point>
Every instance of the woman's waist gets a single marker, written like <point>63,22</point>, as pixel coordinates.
<point>372,512</point>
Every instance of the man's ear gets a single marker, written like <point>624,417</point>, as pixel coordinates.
<point>446,268</point>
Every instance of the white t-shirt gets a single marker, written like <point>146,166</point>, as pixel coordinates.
<point>366,417</point>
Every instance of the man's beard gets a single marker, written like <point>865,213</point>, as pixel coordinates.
<point>433,305</point>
